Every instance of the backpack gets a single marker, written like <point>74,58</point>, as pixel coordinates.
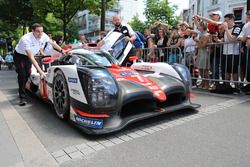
<point>140,40</point>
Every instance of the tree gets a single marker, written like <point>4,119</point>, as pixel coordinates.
<point>137,24</point>
<point>160,10</point>
<point>14,14</point>
<point>65,10</point>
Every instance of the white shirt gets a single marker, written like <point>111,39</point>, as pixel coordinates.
<point>189,45</point>
<point>130,30</point>
<point>231,47</point>
<point>29,42</point>
<point>245,30</point>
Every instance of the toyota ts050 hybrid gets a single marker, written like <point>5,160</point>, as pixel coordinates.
<point>98,95</point>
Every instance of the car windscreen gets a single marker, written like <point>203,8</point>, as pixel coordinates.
<point>100,58</point>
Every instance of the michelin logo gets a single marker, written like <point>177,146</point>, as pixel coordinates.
<point>72,80</point>
<point>89,122</point>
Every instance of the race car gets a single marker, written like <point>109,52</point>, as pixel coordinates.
<point>90,88</point>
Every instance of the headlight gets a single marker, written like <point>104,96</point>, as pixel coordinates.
<point>184,73</point>
<point>102,89</point>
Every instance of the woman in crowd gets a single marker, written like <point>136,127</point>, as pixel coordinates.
<point>161,42</point>
<point>203,54</point>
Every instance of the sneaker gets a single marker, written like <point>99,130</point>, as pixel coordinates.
<point>245,88</point>
<point>22,102</point>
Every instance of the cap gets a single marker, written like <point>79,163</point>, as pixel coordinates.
<point>184,23</point>
<point>216,13</point>
<point>248,12</point>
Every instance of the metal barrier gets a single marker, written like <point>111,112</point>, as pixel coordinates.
<point>166,54</point>
<point>227,62</point>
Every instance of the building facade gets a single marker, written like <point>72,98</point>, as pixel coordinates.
<point>204,7</point>
<point>89,24</point>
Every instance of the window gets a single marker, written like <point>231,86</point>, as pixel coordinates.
<point>238,15</point>
<point>214,2</point>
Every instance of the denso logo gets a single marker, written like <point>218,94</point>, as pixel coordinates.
<point>72,80</point>
<point>128,73</point>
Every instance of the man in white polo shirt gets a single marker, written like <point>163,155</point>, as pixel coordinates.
<point>29,45</point>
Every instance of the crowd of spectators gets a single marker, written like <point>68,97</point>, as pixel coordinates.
<point>217,46</point>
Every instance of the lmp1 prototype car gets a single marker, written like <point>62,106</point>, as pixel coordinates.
<point>98,95</point>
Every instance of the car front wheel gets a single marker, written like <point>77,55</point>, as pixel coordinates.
<point>61,95</point>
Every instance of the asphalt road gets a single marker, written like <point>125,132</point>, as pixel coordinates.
<point>216,135</point>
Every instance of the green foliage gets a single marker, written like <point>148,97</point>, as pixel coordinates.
<point>72,32</point>
<point>64,10</point>
<point>14,12</point>
<point>160,10</point>
<point>137,24</point>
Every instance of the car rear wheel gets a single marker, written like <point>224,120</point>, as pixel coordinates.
<point>61,96</point>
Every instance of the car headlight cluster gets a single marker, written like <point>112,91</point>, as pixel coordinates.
<point>102,89</point>
<point>184,73</point>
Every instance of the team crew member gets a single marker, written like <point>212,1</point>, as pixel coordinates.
<point>29,45</point>
<point>126,30</point>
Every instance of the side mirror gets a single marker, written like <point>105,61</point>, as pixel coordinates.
<point>133,59</point>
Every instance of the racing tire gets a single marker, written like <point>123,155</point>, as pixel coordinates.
<point>61,98</point>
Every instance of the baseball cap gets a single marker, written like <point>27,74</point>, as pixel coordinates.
<point>248,12</point>
<point>217,12</point>
<point>184,23</point>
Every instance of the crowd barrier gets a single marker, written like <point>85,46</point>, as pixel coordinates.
<point>227,62</point>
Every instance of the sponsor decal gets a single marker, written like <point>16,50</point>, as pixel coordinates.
<point>75,92</point>
<point>144,67</point>
<point>89,122</point>
<point>128,73</point>
<point>72,80</point>
<point>121,79</point>
<point>125,31</point>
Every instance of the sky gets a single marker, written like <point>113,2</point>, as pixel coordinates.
<point>182,4</point>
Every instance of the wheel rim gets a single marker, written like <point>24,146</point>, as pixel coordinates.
<point>60,95</point>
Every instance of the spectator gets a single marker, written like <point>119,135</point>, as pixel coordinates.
<point>215,55</point>
<point>9,60</point>
<point>175,42</point>
<point>245,37</point>
<point>151,56</point>
<point>82,42</point>
<point>148,36</point>
<point>102,34</point>
<point>214,21</point>
<point>139,43</point>
<point>60,40</point>
<point>189,47</point>
<point>203,55</point>
<point>231,48</point>
<point>1,62</point>
<point>161,42</point>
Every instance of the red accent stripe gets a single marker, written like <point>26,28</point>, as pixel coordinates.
<point>192,95</point>
<point>90,115</point>
<point>44,89</point>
